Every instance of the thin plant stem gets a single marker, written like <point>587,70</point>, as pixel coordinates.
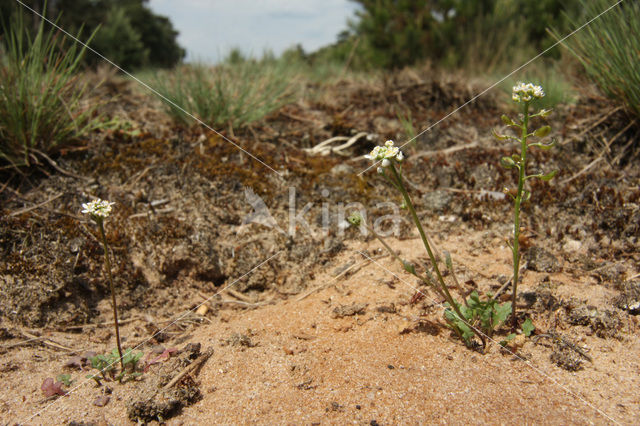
<point>516,215</point>
<point>107,263</point>
<point>395,255</point>
<point>432,257</point>
<point>449,264</point>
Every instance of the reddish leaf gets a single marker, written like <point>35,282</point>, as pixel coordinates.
<point>166,354</point>
<point>51,388</point>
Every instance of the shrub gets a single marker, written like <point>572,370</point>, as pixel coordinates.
<point>41,106</point>
<point>608,48</point>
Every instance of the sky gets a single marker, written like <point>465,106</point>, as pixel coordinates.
<point>209,29</point>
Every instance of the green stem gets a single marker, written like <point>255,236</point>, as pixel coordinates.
<point>516,215</point>
<point>107,262</point>
<point>395,255</point>
<point>427,246</point>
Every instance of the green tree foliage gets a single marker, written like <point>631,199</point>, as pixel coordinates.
<point>119,41</point>
<point>128,32</point>
<point>395,33</point>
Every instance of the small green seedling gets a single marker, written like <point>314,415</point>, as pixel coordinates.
<point>487,315</point>
<point>528,327</point>
<point>105,364</point>
<point>65,379</point>
<point>525,94</point>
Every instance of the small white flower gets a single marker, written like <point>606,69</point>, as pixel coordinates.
<point>385,153</point>
<point>526,92</point>
<point>97,208</point>
<point>380,170</point>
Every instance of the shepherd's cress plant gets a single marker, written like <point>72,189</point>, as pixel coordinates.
<point>524,94</point>
<point>474,317</point>
<point>98,210</point>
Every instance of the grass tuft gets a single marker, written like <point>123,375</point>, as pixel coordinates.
<point>41,99</point>
<point>608,48</point>
<point>230,94</point>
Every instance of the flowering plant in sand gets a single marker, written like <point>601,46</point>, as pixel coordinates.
<point>523,93</point>
<point>99,210</point>
<point>390,158</point>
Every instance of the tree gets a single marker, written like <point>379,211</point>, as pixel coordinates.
<point>128,32</point>
<point>400,32</point>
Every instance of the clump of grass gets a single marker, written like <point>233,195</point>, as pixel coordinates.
<point>406,121</point>
<point>232,94</point>
<point>41,99</point>
<point>608,48</point>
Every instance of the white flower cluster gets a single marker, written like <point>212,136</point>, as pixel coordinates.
<point>386,153</point>
<point>97,208</point>
<point>525,92</point>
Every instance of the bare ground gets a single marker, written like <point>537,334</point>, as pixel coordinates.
<point>319,333</point>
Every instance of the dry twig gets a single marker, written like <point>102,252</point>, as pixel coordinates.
<point>195,364</point>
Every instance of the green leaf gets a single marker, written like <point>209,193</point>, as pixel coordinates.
<point>65,379</point>
<point>548,176</point>
<point>528,327</point>
<point>526,196</point>
<point>355,219</point>
<point>506,120</point>
<point>467,333</point>
<point>501,313</point>
<point>449,315</point>
<point>544,147</point>
<point>542,131</point>
<point>507,163</point>
<point>543,113</point>
<point>499,136</point>
<point>447,260</point>
<point>409,267</point>
<point>507,339</point>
